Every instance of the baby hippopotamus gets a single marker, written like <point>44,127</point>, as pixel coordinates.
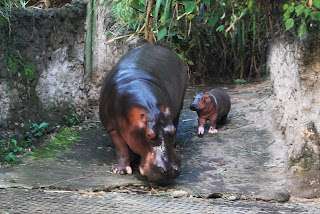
<point>212,106</point>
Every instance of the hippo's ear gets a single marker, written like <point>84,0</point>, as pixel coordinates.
<point>137,117</point>
<point>165,110</point>
<point>207,97</point>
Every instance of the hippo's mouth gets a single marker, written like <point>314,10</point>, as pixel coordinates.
<point>158,174</point>
<point>193,107</point>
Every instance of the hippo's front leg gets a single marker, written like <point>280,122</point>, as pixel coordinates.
<point>122,151</point>
<point>201,122</point>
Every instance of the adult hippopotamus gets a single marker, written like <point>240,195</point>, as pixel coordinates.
<point>212,106</point>
<point>140,103</point>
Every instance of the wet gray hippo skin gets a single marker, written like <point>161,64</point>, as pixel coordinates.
<point>140,103</point>
<point>212,106</point>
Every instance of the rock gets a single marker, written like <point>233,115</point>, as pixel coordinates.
<point>232,198</point>
<point>180,194</point>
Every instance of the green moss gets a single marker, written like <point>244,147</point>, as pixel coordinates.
<point>12,67</point>
<point>61,142</point>
<point>29,71</point>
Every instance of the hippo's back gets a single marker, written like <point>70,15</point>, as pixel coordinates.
<point>223,100</point>
<point>155,64</point>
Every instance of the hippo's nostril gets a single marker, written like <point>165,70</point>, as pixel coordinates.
<point>162,170</point>
<point>175,168</point>
<point>193,107</point>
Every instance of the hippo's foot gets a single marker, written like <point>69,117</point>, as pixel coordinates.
<point>200,130</point>
<point>212,130</point>
<point>142,172</point>
<point>117,169</point>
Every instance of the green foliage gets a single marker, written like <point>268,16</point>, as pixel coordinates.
<point>304,14</point>
<point>38,130</point>
<point>240,81</point>
<point>74,120</point>
<point>11,147</point>
<point>235,33</point>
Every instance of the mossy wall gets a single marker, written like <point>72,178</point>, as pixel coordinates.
<point>41,66</point>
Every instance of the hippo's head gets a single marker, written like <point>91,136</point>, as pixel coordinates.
<point>154,142</point>
<point>200,101</point>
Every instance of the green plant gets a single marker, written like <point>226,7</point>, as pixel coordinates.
<point>72,120</point>
<point>21,3</point>
<point>303,13</point>
<point>220,37</point>
<point>38,130</point>
<point>240,81</point>
<point>11,147</point>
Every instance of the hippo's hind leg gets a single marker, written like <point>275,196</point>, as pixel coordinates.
<point>223,119</point>
<point>213,124</point>
<point>122,151</point>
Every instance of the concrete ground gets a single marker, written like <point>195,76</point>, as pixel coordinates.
<point>244,161</point>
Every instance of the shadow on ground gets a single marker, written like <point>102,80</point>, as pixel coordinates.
<point>246,158</point>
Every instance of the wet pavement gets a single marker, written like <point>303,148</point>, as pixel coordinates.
<point>228,172</point>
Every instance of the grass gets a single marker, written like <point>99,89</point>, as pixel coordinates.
<point>62,141</point>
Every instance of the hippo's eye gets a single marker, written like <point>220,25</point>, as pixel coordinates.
<point>150,135</point>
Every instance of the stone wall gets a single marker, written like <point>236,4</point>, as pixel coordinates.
<point>295,73</point>
<point>50,43</point>
<point>41,66</point>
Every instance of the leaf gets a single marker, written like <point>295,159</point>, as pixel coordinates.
<point>190,62</point>
<point>302,30</point>
<point>240,81</point>
<point>316,3</point>
<point>206,1</point>
<point>285,7</point>
<point>299,9</point>
<point>15,142</point>
<point>315,15</point>
<point>156,12</point>
<point>42,125</point>
<point>190,16</point>
<point>307,12</point>
<point>220,28</point>
<point>244,11</point>
<point>213,20</point>
<point>166,9</point>
<point>286,16</point>
<point>137,4</point>
<point>290,9</point>
<point>289,23</point>
<point>189,6</point>
<point>162,33</point>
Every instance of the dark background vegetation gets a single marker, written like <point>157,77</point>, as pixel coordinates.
<point>220,40</point>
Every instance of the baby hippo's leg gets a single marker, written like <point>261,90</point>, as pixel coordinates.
<point>212,130</point>
<point>200,130</point>
<point>201,121</point>
<point>213,124</point>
